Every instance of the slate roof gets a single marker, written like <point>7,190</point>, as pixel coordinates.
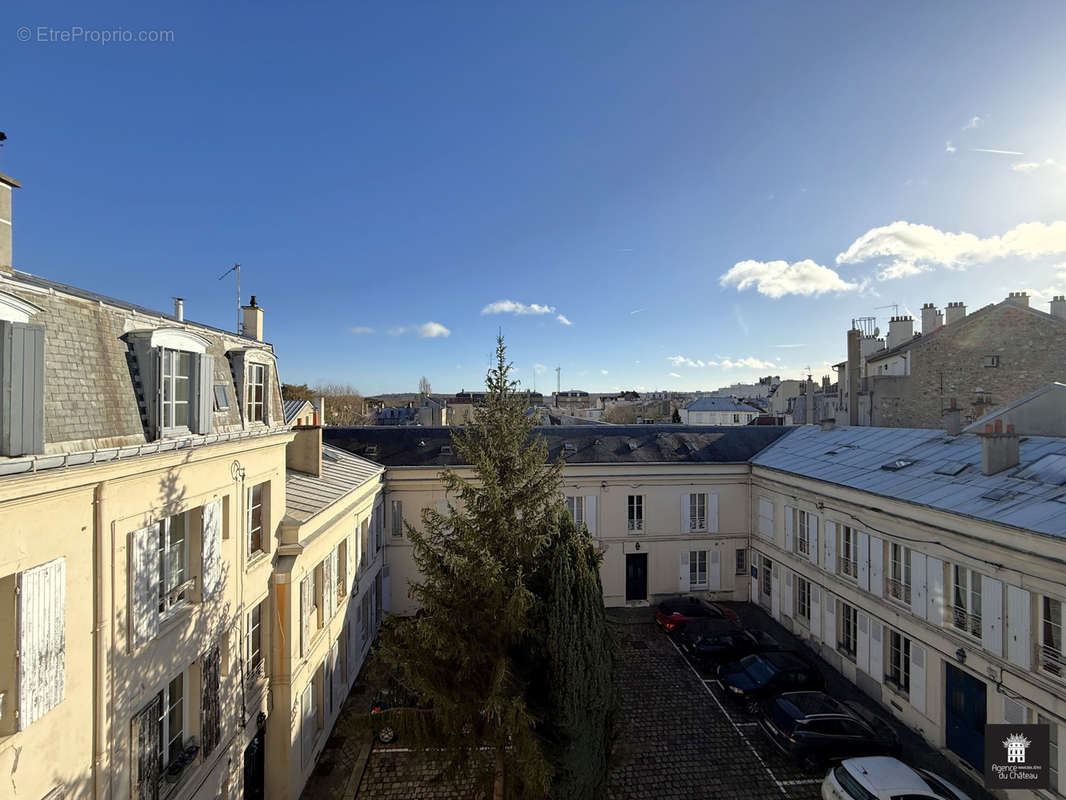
<point>592,444</point>
<point>292,408</point>
<point>342,473</point>
<point>721,404</point>
<point>854,457</point>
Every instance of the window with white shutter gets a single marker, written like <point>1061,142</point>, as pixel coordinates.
<point>396,518</point>
<point>255,522</point>
<point>146,757</point>
<point>41,640</point>
<point>307,611</point>
<point>210,712</point>
<point>211,547</point>
<point>144,585</point>
<point>308,713</point>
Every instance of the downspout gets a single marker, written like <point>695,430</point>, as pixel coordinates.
<point>101,660</point>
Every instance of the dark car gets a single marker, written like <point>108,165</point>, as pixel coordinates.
<point>763,675</point>
<point>385,700</point>
<point>712,642</point>
<point>818,730</point>
<point>674,612</point>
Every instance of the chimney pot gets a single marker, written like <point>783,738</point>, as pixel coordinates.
<point>998,426</point>
<point>179,308</point>
<point>999,450</point>
<point>954,312</point>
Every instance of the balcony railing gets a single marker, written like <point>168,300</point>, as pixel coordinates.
<point>636,525</point>
<point>697,524</point>
<point>900,591</point>
<point>1052,661</point>
<point>803,547</point>
<point>966,622</point>
<point>848,567</point>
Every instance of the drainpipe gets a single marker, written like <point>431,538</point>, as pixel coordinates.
<point>101,650</point>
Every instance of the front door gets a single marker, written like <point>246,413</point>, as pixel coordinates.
<point>965,707</point>
<point>636,576</point>
<point>254,764</point>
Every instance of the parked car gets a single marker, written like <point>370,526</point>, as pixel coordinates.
<point>673,612</point>
<point>384,700</point>
<point>765,674</point>
<point>713,642</point>
<point>884,778</point>
<point>817,729</point>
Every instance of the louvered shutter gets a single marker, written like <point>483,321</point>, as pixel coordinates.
<point>1014,713</point>
<point>22,387</point>
<point>157,386</point>
<point>714,571</point>
<point>349,550</point>
<point>766,519</point>
<point>686,513</point>
<point>862,648</point>
<point>386,588</point>
<point>210,714</point>
<point>397,518</point>
<point>775,591</point>
<point>786,605</point>
<point>917,690</point>
<point>590,513</point>
<point>683,584</point>
<point>864,560</point>
<point>918,584</point>
<point>829,635</point>
<point>352,647</point>
<point>877,656</point>
<point>934,581</point>
<point>211,531</point>
<point>307,721</point>
<point>1018,627</point>
<point>992,615</point>
<point>41,640</point>
<point>205,387</point>
<point>144,585</point>
<point>712,513</point>
<point>307,590</point>
<point>812,529</point>
<point>146,758</point>
<point>816,611</point>
<point>877,569</point>
<point>336,676</point>
<point>329,585</point>
<point>789,511</point>
<point>830,562</point>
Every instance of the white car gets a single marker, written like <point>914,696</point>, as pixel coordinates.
<point>884,778</point>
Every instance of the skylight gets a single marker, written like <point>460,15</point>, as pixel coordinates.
<point>997,494</point>
<point>1049,469</point>
<point>898,464</point>
<point>445,449</point>
<point>951,467</point>
<point>371,449</point>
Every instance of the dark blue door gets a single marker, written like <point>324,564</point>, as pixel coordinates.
<point>636,576</point>
<point>965,703</point>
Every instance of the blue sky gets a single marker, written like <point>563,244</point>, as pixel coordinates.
<point>706,192</point>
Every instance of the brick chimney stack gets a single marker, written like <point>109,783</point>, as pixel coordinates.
<point>1058,306</point>
<point>999,448</point>
<point>900,330</point>
<point>1018,299</point>
<point>6,258</point>
<point>954,312</point>
<point>252,326</point>
<point>931,319</point>
<point>953,419</point>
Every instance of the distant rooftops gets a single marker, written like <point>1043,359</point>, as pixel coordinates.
<point>729,404</point>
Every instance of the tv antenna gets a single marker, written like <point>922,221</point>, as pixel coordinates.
<point>893,306</point>
<point>235,268</point>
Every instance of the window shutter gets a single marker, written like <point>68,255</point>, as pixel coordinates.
<point>41,640</point>
<point>683,584</point>
<point>210,716</point>
<point>686,513</point>
<point>789,512</point>
<point>766,519</point>
<point>590,513</point>
<point>144,585</point>
<point>864,560</point>
<point>386,588</point>
<point>786,605</point>
<point>816,611</point>
<point>307,721</point>
<point>812,528</point>
<point>350,554</point>
<point>397,518</point>
<point>712,513</point>
<point>862,645</point>
<point>934,581</point>
<point>237,367</point>
<point>917,690</point>
<point>330,589</point>
<point>22,387</point>
<point>714,571</point>
<point>307,588</point>
<point>830,537</point>
<point>1014,713</point>
<point>145,743</point>
<point>992,615</point>
<point>877,557</point>
<point>211,548</point>
<point>775,591</point>
<point>918,584</point>
<point>877,656</point>
<point>205,388</point>
<point>1018,626</point>
<point>351,647</point>
<point>830,630</point>
<point>157,391</point>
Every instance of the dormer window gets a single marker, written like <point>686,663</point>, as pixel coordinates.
<point>177,381</point>
<point>255,392</point>
<point>21,378</point>
<point>253,377</point>
<point>177,377</point>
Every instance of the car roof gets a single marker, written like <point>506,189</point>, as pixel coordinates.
<point>705,625</point>
<point>885,774</point>
<point>784,659</point>
<point>814,704</point>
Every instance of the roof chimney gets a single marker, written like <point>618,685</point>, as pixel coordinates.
<point>1018,299</point>
<point>953,419</point>
<point>829,423</point>
<point>954,312</point>
<point>1058,306</point>
<point>6,259</point>
<point>809,418</point>
<point>900,330</point>
<point>253,320</point>
<point>931,319</point>
<point>179,308</point>
<point>853,374</point>
<point>999,449</point>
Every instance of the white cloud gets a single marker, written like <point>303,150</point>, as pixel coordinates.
<point>1032,166</point>
<point>949,148</point>
<point>603,372</point>
<point>540,369</point>
<point>563,320</point>
<point>724,363</point>
<point>996,151</point>
<point>397,330</point>
<point>637,310</point>
<point>677,361</point>
<point>906,248</point>
<point>673,374</point>
<point>1043,297</point>
<point>513,307</point>
<point>1061,270</point>
<point>362,329</point>
<point>777,278</point>
<point>975,122</point>
<point>431,330</point>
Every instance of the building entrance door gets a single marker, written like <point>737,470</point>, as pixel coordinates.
<point>636,576</point>
<point>254,768</point>
<point>964,699</point>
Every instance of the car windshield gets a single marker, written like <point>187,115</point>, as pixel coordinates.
<point>939,789</point>
<point>758,669</point>
<point>850,785</point>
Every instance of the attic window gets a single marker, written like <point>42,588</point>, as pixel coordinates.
<point>898,464</point>
<point>445,449</point>
<point>570,447</point>
<point>951,467</point>
<point>371,450</point>
<point>997,494</point>
<point>221,397</point>
<point>328,455</point>
<point>991,361</point>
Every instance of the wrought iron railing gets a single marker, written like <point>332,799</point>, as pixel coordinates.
<point>965,621</point>
<point>898,590</point>
<point>697,524</point>
<point>636,525</point>
<point>848,567</point>
<point>1052,660</point>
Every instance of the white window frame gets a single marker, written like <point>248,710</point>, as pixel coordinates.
<point>250,516</point>
<point>397,518</point>
<point>254,655</point>
<point>898,583</point>
<point>740,561</point>
<point>803,533</point>
<point>848,560</point>
<point>696,560</point>
<point>166,735</point>
<point>575,506</point>
<point>899,661</point>
<point>803,599</point>
<point>848,638</point>
<point>1052,643</point>
<point>966,600</point>
<point>177,594</point>
<point>697,511</point>
<point>255,377</point>
<point>635,513</point>
<point>766,569</point>
<point>169,385</point>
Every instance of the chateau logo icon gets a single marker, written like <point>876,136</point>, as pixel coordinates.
<point>1016,745</point>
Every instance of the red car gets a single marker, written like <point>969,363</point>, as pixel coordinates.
<point>673,612</point>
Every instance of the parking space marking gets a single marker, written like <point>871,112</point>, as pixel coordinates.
<point>801,782</point>
<point>729,717</point>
